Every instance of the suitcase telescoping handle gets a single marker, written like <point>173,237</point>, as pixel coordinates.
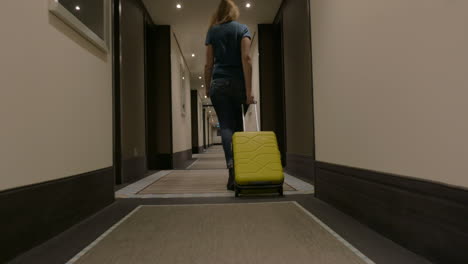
<point>256,117</point>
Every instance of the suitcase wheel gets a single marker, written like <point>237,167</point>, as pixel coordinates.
<point>236,191</point>
<point>281,191</point>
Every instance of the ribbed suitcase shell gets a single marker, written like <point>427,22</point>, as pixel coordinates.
<point>257,160</point>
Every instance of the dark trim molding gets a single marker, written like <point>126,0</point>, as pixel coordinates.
<point>134,169</point>
<point>311,62</point>
<point>33,214</point>
<point>182,159</point>
<point>116,126</point>
<point>194,106</point>
<point>204,129</point>
<point>301,166</point>
<point>160,161</point>
<point>197,150</point>
<point>158,101</point>
<point>271,84</point>
<point>428,218</point>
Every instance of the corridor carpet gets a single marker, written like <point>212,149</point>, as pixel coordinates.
<point>193,181</point>
<point>215,149</point>
<point>270,233</point>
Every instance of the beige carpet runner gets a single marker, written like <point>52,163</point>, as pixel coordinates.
<point>193,181</point>
<point>270,233</point>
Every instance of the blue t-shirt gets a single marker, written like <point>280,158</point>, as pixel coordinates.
<point>226,41</point>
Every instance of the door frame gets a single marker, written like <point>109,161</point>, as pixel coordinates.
<point>116,127</point>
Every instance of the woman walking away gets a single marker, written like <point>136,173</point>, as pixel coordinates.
<point>228,74</point>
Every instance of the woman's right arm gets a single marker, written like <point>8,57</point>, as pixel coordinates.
<point>247,67</point>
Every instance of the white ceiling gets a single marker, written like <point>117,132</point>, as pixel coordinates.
<point>190,23</point>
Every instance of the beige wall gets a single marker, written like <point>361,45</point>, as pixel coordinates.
<point>391,86</point>
<point>181,122</point>
<point>56,98</point>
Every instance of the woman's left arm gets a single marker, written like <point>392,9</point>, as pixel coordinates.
<point>208,68</point>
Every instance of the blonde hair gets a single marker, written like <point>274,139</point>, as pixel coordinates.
<point>227,11</point>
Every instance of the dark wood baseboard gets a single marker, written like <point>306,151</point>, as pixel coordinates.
<point>197,150</point>
<point>301,166</point>
<point>430,219</point>
<point>182,159</point>
<point>133,169</point>
<point>160,162</point>
<point>33,214</point>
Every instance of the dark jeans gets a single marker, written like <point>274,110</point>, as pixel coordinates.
<point>227,97</point>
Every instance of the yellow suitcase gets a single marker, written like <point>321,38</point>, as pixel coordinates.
<point>257,161</point>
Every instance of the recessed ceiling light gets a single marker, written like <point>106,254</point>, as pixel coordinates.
<point>199,77</point>
<point>77,8</point>
<point>206,96</point>
<point>183,78</point>
<point>179,6</point>
<point>193,55</point>
<point>202,86</point>
<point>248,5</point>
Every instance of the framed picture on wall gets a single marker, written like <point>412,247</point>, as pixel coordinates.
<point>87,17</point>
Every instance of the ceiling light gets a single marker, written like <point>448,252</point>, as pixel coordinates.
<point>248,5</point>
<point>199,77</point>
<point>202,86</point>
<point>77,8</point>
<point>206,96</point>
<point>183,78</point>
<point>179,6</point>
<point>193,55</point>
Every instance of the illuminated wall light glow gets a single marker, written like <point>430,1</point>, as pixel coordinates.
<point>179,6</point>
<point>77,8</point>
<point>248,5</point>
